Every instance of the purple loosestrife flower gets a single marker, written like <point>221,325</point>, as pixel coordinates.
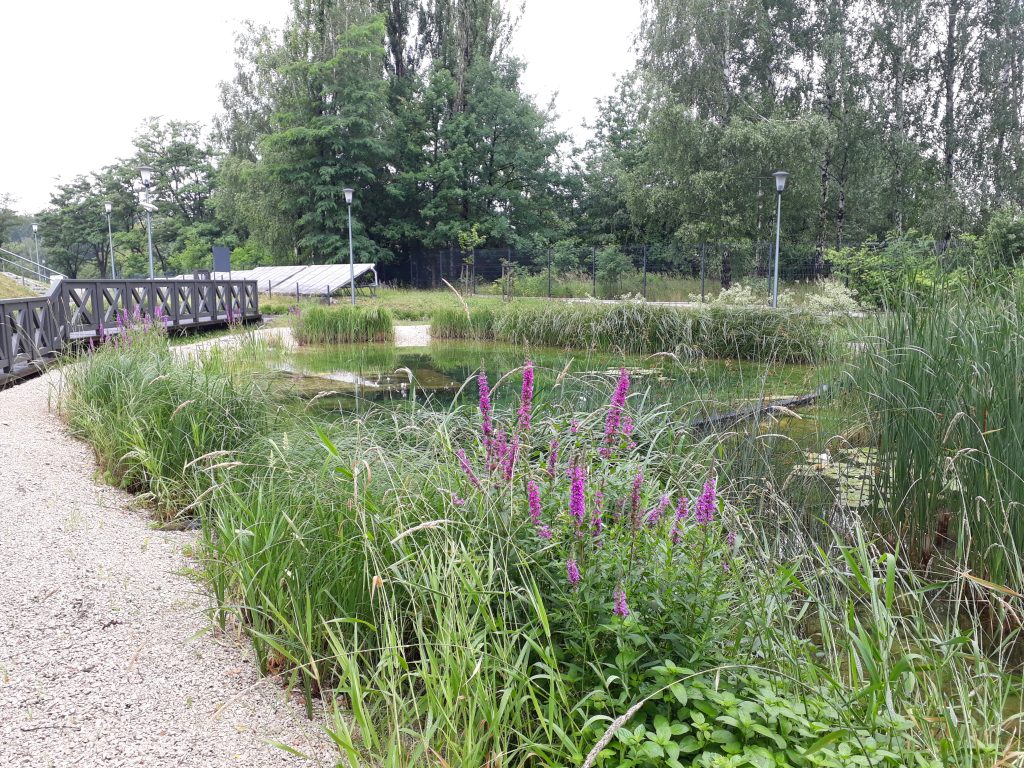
<point>457,501</point>
<point>614,417</point>
<point>464,463</point>
<point>682,512</point>
<point>597,517</point>
<point>654,516</point>
<point>574,426</point>
<point>485,405</point>
<point>508,461</point>
<point>621,607</point>
<point>627,426</point>
<point>544,532</point>
<point>533,498</point>
<point>526,397</point>
<point>634,496</point>
<point>706,504</point>
<point>577,491</point>
<point>731,539</point>
<point>572,572</point>
<point>552,458</point>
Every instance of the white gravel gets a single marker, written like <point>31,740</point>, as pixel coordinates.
<point>106,653</point>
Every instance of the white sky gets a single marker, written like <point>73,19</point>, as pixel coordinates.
<point>80,76</point>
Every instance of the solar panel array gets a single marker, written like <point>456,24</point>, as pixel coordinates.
<point>309,280</point>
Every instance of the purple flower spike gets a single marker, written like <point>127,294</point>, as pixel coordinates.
<point>552,458</point>
<point>464,463</point>
<point>634,496</point>
<point>614,417</point>
<point>621,607</point>
<point>533,498</point>
<point>682,512</point>
<point>572,572</point>
<point>654,516</point>
<point>526,397</point>
<point>707,503</point>
<point>544,532</point>
<point>485,404</point>
<point>731,539</point>
<point>577,502</point>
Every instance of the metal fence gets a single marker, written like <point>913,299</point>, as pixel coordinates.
<point>33,330</point>
<point>676,272</point>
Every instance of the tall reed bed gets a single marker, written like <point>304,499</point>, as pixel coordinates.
<point>544,585</point>
<point>943,384</point>
<point>638,327</point>
<point>343,325</point>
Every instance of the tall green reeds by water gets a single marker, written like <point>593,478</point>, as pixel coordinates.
<point>943,386</point>
<point>758,333</point>
<point>343,324</point>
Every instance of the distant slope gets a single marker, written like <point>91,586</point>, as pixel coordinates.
<point>12,289</point>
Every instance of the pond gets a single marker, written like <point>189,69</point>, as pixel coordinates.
<point>441,374</point>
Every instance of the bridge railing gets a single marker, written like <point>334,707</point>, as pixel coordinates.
<point>34,330</point>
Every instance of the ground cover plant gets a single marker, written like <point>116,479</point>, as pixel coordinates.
<point>639,327</point>
<point>538,584</point>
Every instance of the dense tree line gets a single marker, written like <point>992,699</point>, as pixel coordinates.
<point>893,116</point>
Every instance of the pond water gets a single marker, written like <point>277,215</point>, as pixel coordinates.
<point>438,375</point>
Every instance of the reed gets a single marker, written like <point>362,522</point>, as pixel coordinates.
<point>942,384</point>
<point>752,333</point>
<point>343,325</point>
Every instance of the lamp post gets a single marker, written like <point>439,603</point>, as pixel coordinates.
<point>147,181</point>
<point>35,239</point>
<point>780,184</point>
<point>351,254</point>
<point>110,239</point>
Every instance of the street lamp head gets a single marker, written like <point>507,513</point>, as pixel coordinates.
<point>348,195</point>
<point>780,180</point>
<point>108,207</point>
<point>35,228</point>
<point>147,175</point>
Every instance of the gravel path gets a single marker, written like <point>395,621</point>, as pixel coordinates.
<point>104,655</point>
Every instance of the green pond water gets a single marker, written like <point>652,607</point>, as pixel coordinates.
<point>443,373</point>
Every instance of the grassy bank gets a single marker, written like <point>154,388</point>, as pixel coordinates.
<point>642,328</point>
<point>540,584</point>
<point>343,324</point>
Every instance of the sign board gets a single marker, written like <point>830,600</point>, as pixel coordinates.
<point>221,258</point>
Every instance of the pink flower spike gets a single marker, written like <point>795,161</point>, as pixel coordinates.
<point>621,606</point>
<point>572,572</point>
<point>526,397</point>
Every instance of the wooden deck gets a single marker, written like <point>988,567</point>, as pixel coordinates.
<point>34,331</point>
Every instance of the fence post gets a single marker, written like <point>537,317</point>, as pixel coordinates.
<point>645,271</point>
<point>593,267</point>
<point>270,288</point>
<point>296,292</point>
<point>327,293</point>
<point>549,273</point>
<point>472,274</point>
<point>702,248</point>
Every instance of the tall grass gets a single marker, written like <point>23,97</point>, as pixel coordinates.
<point>369,567</point>
<point>638,327</point>
<point>943,383</point>
<point>343,325</point>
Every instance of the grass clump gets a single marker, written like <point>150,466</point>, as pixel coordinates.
<point>343,325</point>
<point>753,333</point>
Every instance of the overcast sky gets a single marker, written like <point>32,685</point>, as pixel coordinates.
<point>80,77</point>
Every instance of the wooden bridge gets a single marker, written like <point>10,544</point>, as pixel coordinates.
<point>33,331</point>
